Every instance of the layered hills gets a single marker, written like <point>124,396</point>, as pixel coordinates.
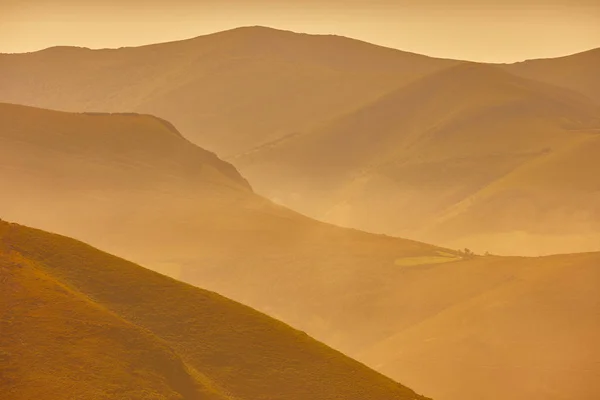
<point>466,157</point>
<point>356,134</point>
<point>179,210</point>
<point>77,322</point>
<point>449,325</point>
<point>230,91</point>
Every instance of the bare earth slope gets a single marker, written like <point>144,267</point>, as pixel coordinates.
<point>79,322</point>
<point>393,303</point>
<point>229,91</point>
<point>402,164</point>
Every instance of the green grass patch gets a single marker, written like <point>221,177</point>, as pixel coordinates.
<point>440,258</point>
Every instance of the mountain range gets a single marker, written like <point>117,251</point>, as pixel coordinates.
<point>445,323</point>
<point>445,151</point>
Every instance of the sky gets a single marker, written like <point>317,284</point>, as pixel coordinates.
<point>483,30</point>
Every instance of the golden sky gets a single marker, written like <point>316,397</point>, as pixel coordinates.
<point>494,31</point>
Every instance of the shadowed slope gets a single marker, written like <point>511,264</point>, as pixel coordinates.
<point>229,91</point>
<point>423,148</point>
<point>130,326</point>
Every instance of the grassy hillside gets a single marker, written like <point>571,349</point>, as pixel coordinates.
<point>402,164</point>
<point>79,322</point>
<point>229,91</point>
<point>57,343</point>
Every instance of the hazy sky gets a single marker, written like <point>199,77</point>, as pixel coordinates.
<point>485,30</point>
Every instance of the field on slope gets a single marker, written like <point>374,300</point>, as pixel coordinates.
<point>230,91</point>
<point>374,297</point>
<point>77,322</point>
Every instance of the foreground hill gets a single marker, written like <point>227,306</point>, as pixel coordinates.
<point>435,145</point>
<point>80,322</point>
<point>374,297</point>
<point>229,91</point>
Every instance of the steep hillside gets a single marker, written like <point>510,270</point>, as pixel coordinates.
<point>79,322</point>
<point>578,72</point>
<point>425,148</point>
<point>140,145</point>
<point>229,91</point>
<point>56,343</point>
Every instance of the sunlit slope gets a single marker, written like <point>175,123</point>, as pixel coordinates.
<point>56,343</point>
<point>106,328</point>
<point>229,91</point>
<point>399,164</point>
<point>530,334</point>
<point>578,72</point>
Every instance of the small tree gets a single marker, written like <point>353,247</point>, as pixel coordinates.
<point>466,253</point>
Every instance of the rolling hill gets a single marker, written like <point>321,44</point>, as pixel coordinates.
<point>550,205</point>
<point>450,327</point>
<point>578,72</point>
<point>230,91</point>
<point>77,322</point>
<point>419,155</point>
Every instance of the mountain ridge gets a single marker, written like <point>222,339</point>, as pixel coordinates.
<point>264,28</point>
